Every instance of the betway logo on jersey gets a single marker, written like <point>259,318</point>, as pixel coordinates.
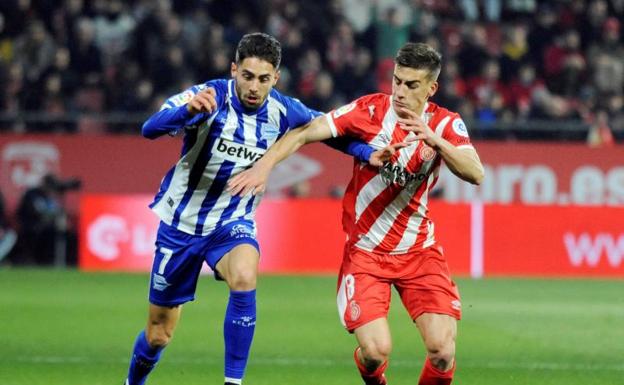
<point>237,152</point>
<point>588,249</point>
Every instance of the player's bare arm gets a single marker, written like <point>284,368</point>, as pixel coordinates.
<point>463,162</point>
<point>203,101</point>
<point>254,179</point>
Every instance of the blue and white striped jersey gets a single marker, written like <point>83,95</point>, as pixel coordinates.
<point>217,146</point>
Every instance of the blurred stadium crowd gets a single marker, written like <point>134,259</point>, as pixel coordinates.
<point>505,61</point>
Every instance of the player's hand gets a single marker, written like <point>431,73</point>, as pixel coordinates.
<point>418,126</point>
<point>379,157</point>
<point>249,181</point>
<point>203,101</point>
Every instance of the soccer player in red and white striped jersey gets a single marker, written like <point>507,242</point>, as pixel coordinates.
<point>391,238</point>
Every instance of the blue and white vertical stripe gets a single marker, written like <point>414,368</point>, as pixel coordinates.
<point>192,194</point>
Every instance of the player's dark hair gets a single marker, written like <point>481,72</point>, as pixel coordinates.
<point>261,46</point>
<point>420,56</point>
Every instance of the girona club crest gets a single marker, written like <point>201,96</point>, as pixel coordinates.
<point>427,153</point>
<point>355,311</point>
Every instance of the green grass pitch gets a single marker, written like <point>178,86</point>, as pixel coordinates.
<point>67,327</point>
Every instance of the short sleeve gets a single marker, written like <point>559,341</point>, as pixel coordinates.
<point>348,119</point>
<point>298,114</point>
<point>185,96</point>
<point>456,132</point>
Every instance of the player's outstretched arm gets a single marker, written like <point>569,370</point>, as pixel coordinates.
<point>463,162</point>
<point>254,180</point>
<point>174,118</point>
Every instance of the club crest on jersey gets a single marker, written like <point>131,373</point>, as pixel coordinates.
<point>427,153</point>
<point>354,310</point>
<point>343,110</point>
<point>268,131</point>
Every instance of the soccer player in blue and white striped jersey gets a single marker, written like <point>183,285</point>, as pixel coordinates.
<point>228,125</point>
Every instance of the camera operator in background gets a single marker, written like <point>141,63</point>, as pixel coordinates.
<point>42,221</point>
<point>8,236</point>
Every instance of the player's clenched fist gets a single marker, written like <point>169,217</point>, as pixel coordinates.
<point>203,101</point>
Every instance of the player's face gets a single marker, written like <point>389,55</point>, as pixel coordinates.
<point>411,88</point>
<point>254,80</point>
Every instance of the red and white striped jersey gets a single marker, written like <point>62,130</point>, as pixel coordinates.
<point>385,209</point>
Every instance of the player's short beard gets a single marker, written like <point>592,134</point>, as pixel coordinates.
<point>241,98</point>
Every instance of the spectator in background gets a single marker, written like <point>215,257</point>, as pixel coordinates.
<point>160,35</point>
<point>35,52</point>
<point>324,97</point>
<point>522,90</point>
<point>515,51</point>
<point>85,56</point>
<point>541,35</point>
<point>489,92</point>
<point>474,52</point>
<point>599,132</point>
<point>565,64</point>
<point>606,60</point>
<point>492,9</point>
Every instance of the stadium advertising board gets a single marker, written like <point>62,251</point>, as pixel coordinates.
<point>305,237</point>
<point>526,173</point>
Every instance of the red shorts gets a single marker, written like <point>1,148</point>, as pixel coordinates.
<point>422,279</point>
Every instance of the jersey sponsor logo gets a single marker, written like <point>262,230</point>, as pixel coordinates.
<point>397,174</point>
<point>460,128</point>
<point>343,110</point>
<point>237,152</point>
<point>241,231</point>
<point>427,153</point>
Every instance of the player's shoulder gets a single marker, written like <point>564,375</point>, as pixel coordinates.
<point>368,105</point>
<point>376,99</point>
<point>220,85</point>
<point>441,118</point>
<point>439,111</point>
<point>285,102</point>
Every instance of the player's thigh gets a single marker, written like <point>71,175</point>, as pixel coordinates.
<point>374,337</point>
<point>233,253</point>
<point>239,267</point>
<point>438,332</point>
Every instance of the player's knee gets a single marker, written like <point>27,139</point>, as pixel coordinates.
<point>376,353</point>
<point>442,354</point>
<point>158,337</point>
<point>242,278</point>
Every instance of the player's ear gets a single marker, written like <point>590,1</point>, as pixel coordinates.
<point>233,69</point>
<point>276,77</point>
<point>433,89</point>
